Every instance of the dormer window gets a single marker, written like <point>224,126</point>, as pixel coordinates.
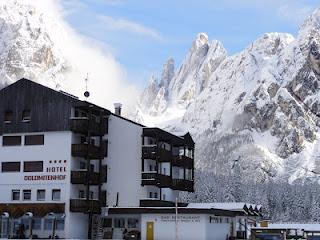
<point>8,116</point>
<point>26,116</point>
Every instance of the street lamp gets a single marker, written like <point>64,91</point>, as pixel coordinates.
<point>30,216</point>
<point>54,217</point>
<point>4,215</point>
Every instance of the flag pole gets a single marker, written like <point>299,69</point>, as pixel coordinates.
<point>176,208</point>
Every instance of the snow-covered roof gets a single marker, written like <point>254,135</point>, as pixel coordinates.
<point>232,206</point>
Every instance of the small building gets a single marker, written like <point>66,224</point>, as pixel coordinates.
<point>205,221</point>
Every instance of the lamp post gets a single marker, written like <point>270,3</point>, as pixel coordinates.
<point>30,216</point>
<point>54,217</point>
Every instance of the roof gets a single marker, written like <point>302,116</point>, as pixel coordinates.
<point>250,209</point>
<point>172,210</point>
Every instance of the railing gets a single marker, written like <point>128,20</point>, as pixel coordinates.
<point>83,125</point>
<point>87,151</point>
<point>149,202</point>
<point>164,155</point>
<point>149,152</point>
<point>80,177</point>
<point>156,179</point>
<point>84,206</point>
<point>182,161</point>
<point>183,185</point>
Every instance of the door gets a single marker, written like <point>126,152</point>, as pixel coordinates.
<point>150,229</point>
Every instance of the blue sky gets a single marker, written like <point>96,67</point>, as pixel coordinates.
<point>142,34</point>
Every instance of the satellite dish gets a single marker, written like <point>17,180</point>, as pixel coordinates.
<point>86,94</point>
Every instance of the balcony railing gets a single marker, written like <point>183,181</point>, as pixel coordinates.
<point>159,203</point>
<point>84,206</point>
<point>83,125</point>
<point>183,185</point>
<point>153,152</point>
<point>149,152</point>
<point>156,179</point>
<point>182,161</point>
<point>85,150</point>
<point>80,177</point>
<point>164,155</point>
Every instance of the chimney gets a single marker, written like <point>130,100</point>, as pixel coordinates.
<point>117,108</point>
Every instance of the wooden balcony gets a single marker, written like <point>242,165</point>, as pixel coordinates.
<point>153,152</point>
<point>182,161</point>
<point>183,185</point>
<point>159,203</point>
<point>87,151</point>
<point>84,206</point>
<point>156,179</point>
<point>84,126</point>
<point>149,152</point>
<point>80,177</point>
<point>164,155</point>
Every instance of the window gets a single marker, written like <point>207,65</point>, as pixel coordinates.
<point>60,224</point>
<point>33,166</point>
<point>133,223</point>
<point>150,194</point>
<point>26,195</point>
<point>91,167</point>
<point>41,195</point>
<point>106,148</point>
<point>81,194</point>
<point>107,222</point>
<point>25,221</point>
<point>119,222</point>
<point>10,167</point>
<point>8,116</point>
<point>26,116</point>
<point>36,223</point>
<point>11,140</point>
<point>83,165</point>
<point>34,140</point>
<point>48,223</point>
<point>91,195</point>
<point>155,195</point>
<point>163,197</point>
<point>56,194</point>
<point>15,196</point>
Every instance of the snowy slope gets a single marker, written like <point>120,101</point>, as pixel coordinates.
<point>261,105</point>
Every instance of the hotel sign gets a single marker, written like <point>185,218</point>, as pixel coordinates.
<point>54,172</point>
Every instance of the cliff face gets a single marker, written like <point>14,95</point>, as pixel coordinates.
<point>260,105</point>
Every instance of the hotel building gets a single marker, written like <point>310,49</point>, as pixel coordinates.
<point>65,162</point>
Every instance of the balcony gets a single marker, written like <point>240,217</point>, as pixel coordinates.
<point>156,179</point>
<point>83,125</point>
<point>149,152</point>
<point>150,202</point>
<point>84,206</point>
<point>85,150</point>
<point>164,155</point>
<point>153,152</point>
<point>182,161</point>
<point>183,185</point>
<point>80,177</point>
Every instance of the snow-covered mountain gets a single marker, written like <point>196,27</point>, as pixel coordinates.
<point>259,107</point>
<point>37,43</point>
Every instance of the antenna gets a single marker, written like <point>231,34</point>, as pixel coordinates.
<point>86,93</point>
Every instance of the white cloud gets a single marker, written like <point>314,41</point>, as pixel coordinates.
<point>107,78</point>
<point>120,24</point>
<point>295,12</point>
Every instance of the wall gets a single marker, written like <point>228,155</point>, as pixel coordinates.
<point>124,163</point>
<point>190,226</point>
<point>56,152</point>
<point>218,231</point>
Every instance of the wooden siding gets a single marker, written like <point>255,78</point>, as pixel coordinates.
<point>50,109</point>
